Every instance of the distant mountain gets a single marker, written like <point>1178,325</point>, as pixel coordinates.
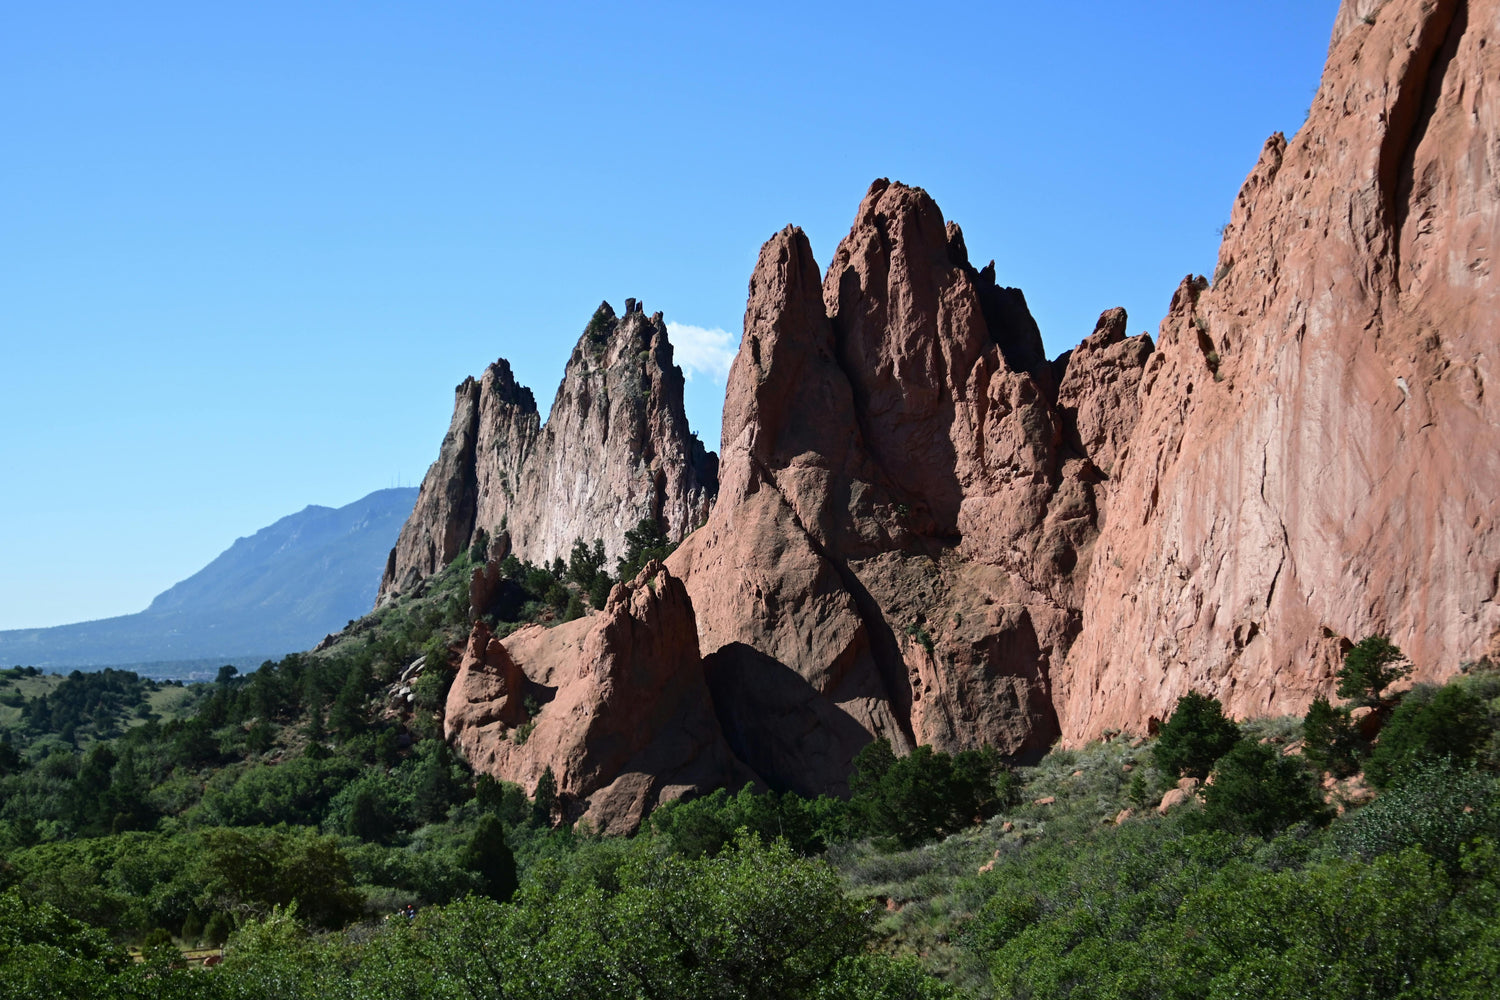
<point>279,591</point>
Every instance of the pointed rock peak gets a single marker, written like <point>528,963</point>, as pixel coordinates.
<point>597,333</point>
<point>899,237</point>
<point>609,337</point>
<point>786,334</point>
<point>1110,329</point>
<point>903,216</point>
<point>958,251</point>
<point>501,382</point>
<point>878,187</point>
<point>786,293</point>
<point>1185,299</point>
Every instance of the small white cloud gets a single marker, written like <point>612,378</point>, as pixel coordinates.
<point>708,352</point>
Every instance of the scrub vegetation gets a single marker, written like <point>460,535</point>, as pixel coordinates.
<point>314,831</point>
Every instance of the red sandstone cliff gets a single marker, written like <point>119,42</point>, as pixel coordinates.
<point>904,508</point>
<point>926,531</point>
<point>616,448</point>
<point>1318,457</point>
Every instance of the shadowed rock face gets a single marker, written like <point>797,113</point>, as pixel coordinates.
<point>615,449</point>
<point>1318,456</point>
<point>901,515</point>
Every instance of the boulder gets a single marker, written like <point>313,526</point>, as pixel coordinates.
<point>1174,797</point>
<point>624,718</point>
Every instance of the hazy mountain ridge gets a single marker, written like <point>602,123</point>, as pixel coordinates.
<point>279,590</point>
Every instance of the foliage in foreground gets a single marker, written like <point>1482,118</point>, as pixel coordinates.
<point>756,921</point>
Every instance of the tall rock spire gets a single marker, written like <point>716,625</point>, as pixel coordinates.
<point>616,449</point>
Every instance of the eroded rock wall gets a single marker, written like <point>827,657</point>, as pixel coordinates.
<point>926,531</point>
<point>1318,452</point>
<point>901,519</point>
<point>615,703</point>
<point>616,448</point>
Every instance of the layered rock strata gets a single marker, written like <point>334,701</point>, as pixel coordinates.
<point>616,449</point>
<point>1318,455</point>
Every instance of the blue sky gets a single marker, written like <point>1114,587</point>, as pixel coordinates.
<point>248,249</point>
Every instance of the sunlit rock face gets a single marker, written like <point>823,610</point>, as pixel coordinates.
<point>616,449</point>
<point>926,531</point>
<point>909,494</point>
<point>1318,455</point>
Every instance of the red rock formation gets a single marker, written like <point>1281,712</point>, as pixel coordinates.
<point>441,521</point>
<point>1317,457</point>
<point>893,551</point>
<point>927,532</point>
<point>616,448</point>
<point>623,717</point>
<point>489,688</point>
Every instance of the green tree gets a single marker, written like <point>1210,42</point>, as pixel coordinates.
<point>643,543</point>
<point>503,798</point>
<point>1373,665</point>
<point>365,809</point>
<point>545,799</point>
<point>1196,735</point>
<point>1257,790</point>
<point>922,795</point>
<point>490,858</point>
<point>479,550</point>
<point>347,716</point>
<point>1332,741</point>
<point>1448,724</point>
<point>873,762</point>
<point>1439,807</point>
<point>434,780</point>
<point>249,873</point>
<point>586,568</point>
<point>45,954</point>
<point>755,921</point>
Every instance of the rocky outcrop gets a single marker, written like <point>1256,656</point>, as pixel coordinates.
<point>441,521</point>
<point>926,531</point>
<point>619,708</point>
<point>489,688</point>
<point>1317,456</point>
<point>616,449</point>
<point>894,551</point>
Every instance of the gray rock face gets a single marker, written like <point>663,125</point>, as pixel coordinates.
<point>616,448</point>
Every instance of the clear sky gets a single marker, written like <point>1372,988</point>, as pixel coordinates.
<point>248,249</point>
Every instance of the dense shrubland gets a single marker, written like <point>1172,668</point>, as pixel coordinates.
<point>293,810</point>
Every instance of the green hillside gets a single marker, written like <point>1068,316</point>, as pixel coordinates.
<point>292,815</point>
